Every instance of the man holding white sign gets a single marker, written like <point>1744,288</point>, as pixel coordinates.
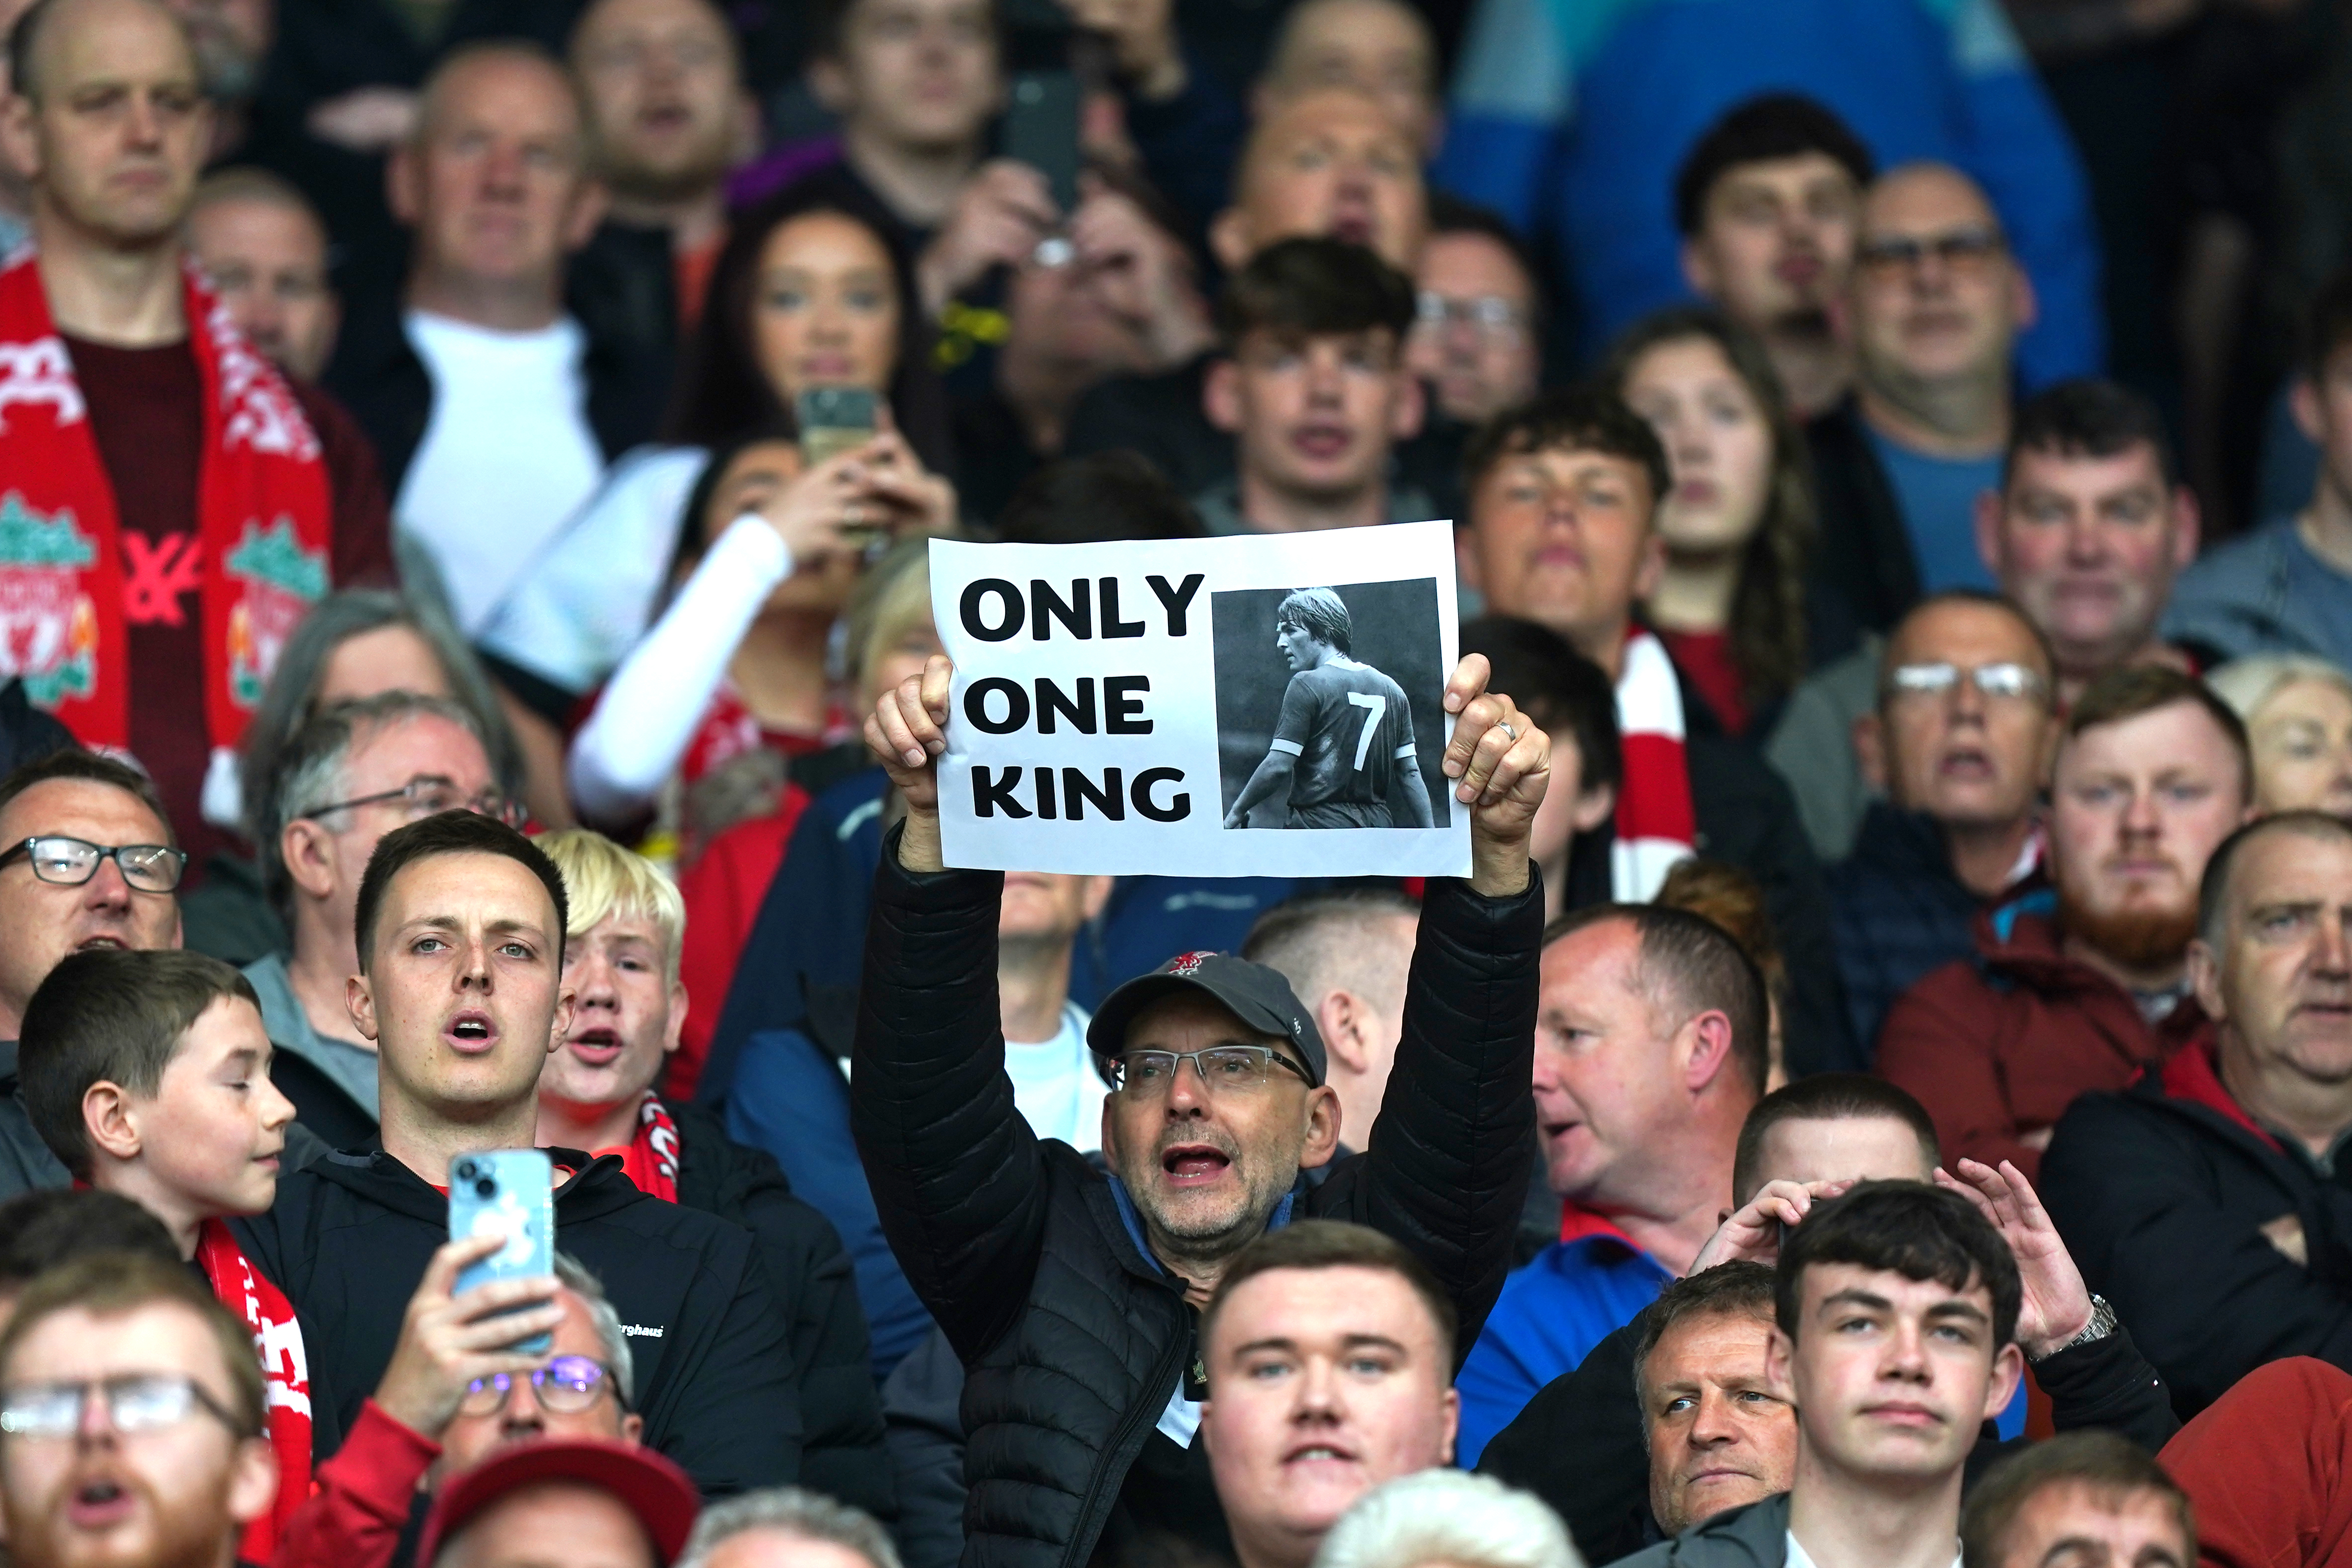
<point>1333,701</point>
<point>1073,1297</point>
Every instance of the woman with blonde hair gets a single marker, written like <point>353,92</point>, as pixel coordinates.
<point>1448,1518</point>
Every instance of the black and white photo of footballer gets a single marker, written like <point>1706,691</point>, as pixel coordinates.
<point>1343,749</point>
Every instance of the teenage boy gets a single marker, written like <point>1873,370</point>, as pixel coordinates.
<point>147,1074</point>
<point>1314,389</point>
<point>595,1092</point>
<point>460,928</point>
<point>1896,1338</point>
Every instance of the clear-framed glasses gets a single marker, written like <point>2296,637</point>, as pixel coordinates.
<point>136,1401</point>
<point>1489,313</point>
<point>564,1387</point>
<point>1146,1074</point>
<point>69,862</point>
<point>429,795</point>
<point>1961,250</point>
<point>2007,681</point>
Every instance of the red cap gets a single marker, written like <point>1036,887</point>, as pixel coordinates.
<point>649,1485</point>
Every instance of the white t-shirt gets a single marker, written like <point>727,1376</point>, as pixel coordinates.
<point>506,458</point>
<point>1801,1558</point>
<point>1055,1086</point>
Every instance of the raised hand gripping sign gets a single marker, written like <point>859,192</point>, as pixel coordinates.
<point>1258,706</point>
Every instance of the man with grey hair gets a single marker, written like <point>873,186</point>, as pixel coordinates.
<point>1345,955</point>
<point>2206,1201</point>
<point>787,1527</point>
<point>454,1396</point>
<point>350,775</point>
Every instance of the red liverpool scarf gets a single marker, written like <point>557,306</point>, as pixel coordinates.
<point>263,511</point>
<point>262,1307</point>
<point>650,1159</point>
<point>1655,824</point>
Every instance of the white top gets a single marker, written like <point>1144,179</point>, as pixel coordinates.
<point>655,700</point>
<point>574,618</point>
<point>1800,1558</point>
<point>1055,1086</point>
<point>506,456</point>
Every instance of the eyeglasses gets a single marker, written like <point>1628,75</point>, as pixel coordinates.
<point>564,1387</point>
<point>1146,1074</point>
<point>429,795</point>
<point>136,1401</point>
<point>69,862</point>
<point>2006,682</point>
<point>1962,250</point>
<point>1490,313</point>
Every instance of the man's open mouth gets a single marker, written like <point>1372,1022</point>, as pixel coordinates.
<point>1195,1164</point>
<point>472,1032</point>
<point>596,1047</point>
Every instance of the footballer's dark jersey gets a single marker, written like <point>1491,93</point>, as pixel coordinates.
<point>1348,724</point>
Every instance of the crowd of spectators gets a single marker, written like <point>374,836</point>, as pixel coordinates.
<point>468,683</point>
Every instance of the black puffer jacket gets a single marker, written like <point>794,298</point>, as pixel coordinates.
<point>1071,1336</point>
<point>841,1449</point>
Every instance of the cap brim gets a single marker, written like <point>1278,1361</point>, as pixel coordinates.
<point>649,1486</point>
<point>1106,1032</point>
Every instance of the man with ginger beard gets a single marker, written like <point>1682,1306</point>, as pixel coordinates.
<point>2207,1201</point>
<point>2082,986</point>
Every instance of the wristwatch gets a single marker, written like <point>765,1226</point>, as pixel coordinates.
<point>2101,1324</point>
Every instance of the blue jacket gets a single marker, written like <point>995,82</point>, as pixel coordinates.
<point>1549,1316</point>
<point>1896,911</point>
<point>2263,594</point>
<point>1573,117</point>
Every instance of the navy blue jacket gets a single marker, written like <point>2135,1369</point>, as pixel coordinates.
<point>1896,911</point>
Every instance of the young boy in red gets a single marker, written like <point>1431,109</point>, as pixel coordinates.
<point>147,1074</point>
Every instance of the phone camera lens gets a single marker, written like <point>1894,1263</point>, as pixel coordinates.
<point>485,1187</point>
<point>466,1169</point>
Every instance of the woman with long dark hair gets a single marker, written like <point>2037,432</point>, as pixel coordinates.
<point>806,293</point>
<point>1737,526</point>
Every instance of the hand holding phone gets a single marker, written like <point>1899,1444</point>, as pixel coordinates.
<point>511,1194</point>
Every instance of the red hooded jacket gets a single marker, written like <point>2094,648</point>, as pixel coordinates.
<point>1996,1046</point>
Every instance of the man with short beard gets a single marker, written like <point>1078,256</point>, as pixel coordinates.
<point>2079,986</point>
<point>2208,1201</point>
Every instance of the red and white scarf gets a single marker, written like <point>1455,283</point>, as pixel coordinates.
<point>262,1307</point>
<point>1655,825</point>
<point>71,582</point>
<point>650,1159</point>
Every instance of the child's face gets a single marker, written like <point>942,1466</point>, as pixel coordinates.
<point>213,1132</point>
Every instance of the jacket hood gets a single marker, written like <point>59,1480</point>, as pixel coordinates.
<point>595,1188</point>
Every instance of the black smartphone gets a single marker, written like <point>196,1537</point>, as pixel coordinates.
<point>834,420</point>
<point>1041,130</point>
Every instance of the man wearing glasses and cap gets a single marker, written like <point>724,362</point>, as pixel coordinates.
<point>1073,1299</point>
<point>352,773</point>
<point>445,1405</point>
<point>87,860</point>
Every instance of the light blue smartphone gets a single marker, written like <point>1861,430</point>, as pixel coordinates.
<point>508,1192</point>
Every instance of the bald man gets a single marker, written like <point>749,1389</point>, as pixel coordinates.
<point>1934,308</point>
<point>1328,162</point>
<point>173,505</point>
<point>491,407</point>
<point>1378,47</point>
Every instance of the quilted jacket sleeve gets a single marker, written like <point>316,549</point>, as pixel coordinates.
<point>957,1177</point>
<point>1446,1170</point>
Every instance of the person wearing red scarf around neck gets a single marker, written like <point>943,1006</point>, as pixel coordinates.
<point>624,926</point>
<point>1561,530</point>
<point>170,503</point>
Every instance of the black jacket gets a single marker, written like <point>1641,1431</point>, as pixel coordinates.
<point>841,1449</point>
<point>1581,1446</point>
<point>2161,1195</point>
<point>26,1162</point>
<point>350,1234</point>
<point>381,378</point>
<point>1864,577</point>
<point>1072,1337</point>
<point>1896,911</point>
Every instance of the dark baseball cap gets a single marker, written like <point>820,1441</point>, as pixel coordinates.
<point>1257,995</point>
<point>649,1486</point>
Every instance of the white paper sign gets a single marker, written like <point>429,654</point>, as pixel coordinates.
<point>1258,706</point>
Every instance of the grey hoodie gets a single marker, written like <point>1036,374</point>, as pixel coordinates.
<point>1756,1536</point>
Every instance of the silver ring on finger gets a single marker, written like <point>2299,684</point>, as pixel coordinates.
<point>1505,726</point>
